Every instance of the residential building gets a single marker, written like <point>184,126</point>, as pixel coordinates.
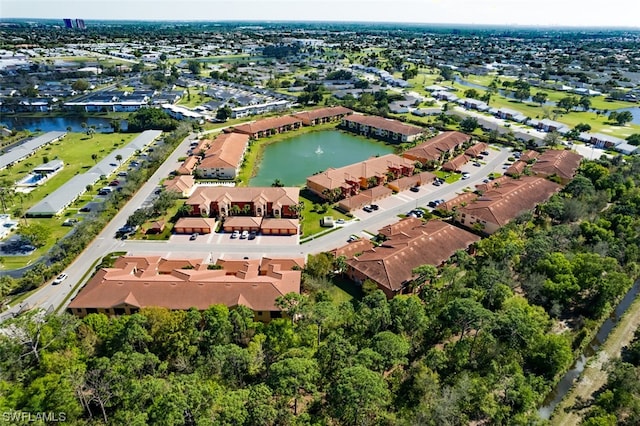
<point>501,204</point>
<point>223,158</point>
<point>438,148</point>
<point>267,127</point>
<point>180,284</point>
<point>322,115</point>
<point>221,201</point>
<point>560,163</point>
<point>189,225</point>
<point>409,243</point>
<point>349,180</point>
<point>182,184</point>
<point>381,128</point>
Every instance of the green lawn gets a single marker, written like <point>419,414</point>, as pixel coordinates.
<point>196,100</point>
<point>311,219</point>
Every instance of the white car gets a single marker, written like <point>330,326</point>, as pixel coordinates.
<point>244,235</point>
<point>235,234</point>
<point>60,278</point>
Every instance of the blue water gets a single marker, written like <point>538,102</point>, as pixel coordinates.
<point>49,124</point>
<point>635,111</point>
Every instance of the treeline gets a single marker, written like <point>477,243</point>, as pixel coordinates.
<point>480,341</point>
<point>69,247</point>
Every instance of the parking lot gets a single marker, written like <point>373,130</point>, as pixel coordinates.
<point>225,238</point>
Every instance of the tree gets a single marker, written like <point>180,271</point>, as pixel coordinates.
<point>552,138</point>
<point>36,234</point>
<point>119,158</point>
<point>277,183</point>
<point>94,157</point>
<point>115,125</point>
<point>568,103</point>
<point>582,127</point>
<point>585,103</point>
<point>634,139</point>
<point>7,192</point>
<point>224,113</point>
<point>293,377</point>
<point>358,396</point>
<point>540,98</point>
<point>521,94</point>
<point>469,124</point>
<point>621,118</point>
<point>80,85</point>
<point>471,93</point>
<point>194,66</point>
<point>393,348</point>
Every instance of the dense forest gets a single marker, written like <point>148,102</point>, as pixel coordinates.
<point>483,339</point>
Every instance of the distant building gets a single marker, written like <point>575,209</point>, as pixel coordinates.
<point>381,128</point>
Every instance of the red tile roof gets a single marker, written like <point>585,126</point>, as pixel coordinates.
<point>308,116</point>
<point>227,150</point>
<point>562,163</point>
<point>266,124</point>
<point>390,264</point>
<point>433,149</point>
<point>186,288</point>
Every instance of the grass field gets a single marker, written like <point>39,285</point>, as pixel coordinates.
<point>311,219</point>
<point>196,100</point>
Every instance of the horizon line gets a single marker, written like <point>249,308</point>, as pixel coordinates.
<point>303,21</point>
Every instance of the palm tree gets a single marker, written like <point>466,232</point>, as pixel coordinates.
<point>119,158</point>
<point>277,183</point>
<point>94,157</point>
<point>235,209</point>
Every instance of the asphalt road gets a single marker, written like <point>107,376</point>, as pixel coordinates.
<point>215,246</point>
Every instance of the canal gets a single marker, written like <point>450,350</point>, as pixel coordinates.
<point>293,160</point>
<point>567,381</point>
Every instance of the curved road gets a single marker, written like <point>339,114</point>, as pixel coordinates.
<point>213,246</point>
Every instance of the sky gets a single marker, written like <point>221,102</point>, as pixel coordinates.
<point>576,13</point>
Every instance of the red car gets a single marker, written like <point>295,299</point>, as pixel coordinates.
<point>114,183</point>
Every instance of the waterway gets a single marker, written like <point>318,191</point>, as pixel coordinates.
<point>635,111</point>
<point>566,383</point>
<point>293,160</point>
<point>59,123</point>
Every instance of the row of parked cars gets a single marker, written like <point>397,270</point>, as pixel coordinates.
<point>244,235</point>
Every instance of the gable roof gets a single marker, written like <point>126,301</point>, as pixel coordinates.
<point>434,147</point>
<point>562,163</point>
<point>279,196</point>
<point>266,124</point>
<point>390,264</point>
<point>501,204</point>
<point>308,116</point>
<point>226,150</point>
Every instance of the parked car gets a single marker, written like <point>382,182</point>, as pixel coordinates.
<point>85,209</point>
<point>436,183</point>
<point>60,278</point>
<point>485,153</point>
<point>433,204</point>
<point>114,183</point>
<point>465,176</point>
<point>340,221</point>
<point>122,174</point>
<point>477,164</point>
<point>244,235</point>
<point>414,189</point>
<point>235,234</point>
<point>367,209</point>
<point>194,236</point>
<point>252,235</point>
<point>69,222</point>
<point>352,238</point>
<point>375,206</point>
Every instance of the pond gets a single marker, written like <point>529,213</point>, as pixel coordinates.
<point>635,111</point>
<point>59,123</point>
<point>293,160</point>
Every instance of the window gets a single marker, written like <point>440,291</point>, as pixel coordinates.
<point>91,311</point>
<point>119,311</point>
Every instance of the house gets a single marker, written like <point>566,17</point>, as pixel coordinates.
<point>381,128</point>
<point>139,282</point>
<point>267,127</point>
<point>221,201</point>
<point>469,103</point>
<point>604,141</point>
<point>182,184</point>
<point>223,158</point>
<point>476,150</point>
<point>560,163</point>
<point>156,227</point>
<point>189,225</point>
<point>409,244</point>
<point>322,115</point>
<point>509,114</point>
<point>516,169</point>
<point>438,148</point>
<point>349,180</point>
<point>456,163</point>
<point>501,204</point>
<point>547,125</point>
<point>406,182</point>
<point>365,197</point>
<point>261,108</point>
